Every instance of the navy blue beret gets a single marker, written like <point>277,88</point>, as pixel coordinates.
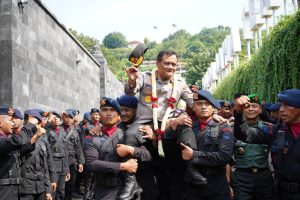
<point>275,107</point>
<point>34,113</point>
<point>18,114</point>
<point>110,102</point>
<point>232,104</point>
<point>267,105</point>
<point>225,104</point>
<point>128,101</point>
<point>56,113</point>
<point>206,95</point>
<point>4,110</point>
<point>94,110</point>
<point>87,116</point>
<point>39,111</point>
<point>290,97</point>
<point>70,112</point>
<point>76,112</point>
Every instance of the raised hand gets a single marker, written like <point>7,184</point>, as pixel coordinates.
<point>241,103</point>
<point>132,73</point>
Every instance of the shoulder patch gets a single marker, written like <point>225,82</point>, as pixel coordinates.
<point>88,137</point>
<point>227,135</point>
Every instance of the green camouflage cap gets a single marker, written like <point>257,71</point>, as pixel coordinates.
<point>254,98</point>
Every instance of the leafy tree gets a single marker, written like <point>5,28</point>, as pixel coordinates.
<point>201,51</point>
<point>197,65</point>
<point>273,68</point>
<point>196,51</point>
<point>114,40</point>
<point>86,41</point>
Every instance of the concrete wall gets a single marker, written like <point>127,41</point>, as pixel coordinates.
<point>5,53</point>
<point>42,65</point>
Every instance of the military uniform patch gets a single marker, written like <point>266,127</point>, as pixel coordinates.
<point>147,99</point>
<point>103,102</point>
<point>195,96</point>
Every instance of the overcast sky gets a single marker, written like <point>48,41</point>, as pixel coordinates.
<point>136,18</point>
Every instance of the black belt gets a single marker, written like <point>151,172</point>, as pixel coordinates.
<point>10,181</point>
<point>252,170</point>
<point>33,176</point>
<point>289,187</point>
<point>58,155</point>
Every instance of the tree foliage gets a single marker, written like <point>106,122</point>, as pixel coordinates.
<point>86,41</point>
<point>201,50</point>
<point>114,40</point>
<point>275,67</point>
<point>197,51</point>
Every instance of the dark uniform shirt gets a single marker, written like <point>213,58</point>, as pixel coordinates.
<point>286,161</point>
<point>74,146</point>
<point>105,163</point>
<point>34,169</point>
<point>10,173</point>
<point>59,149</point>
<point>215,148</point>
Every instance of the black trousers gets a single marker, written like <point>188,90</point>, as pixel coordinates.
<point>59,193</point>
<point>147,180</point>
<point>9,192</point>
<point>252,186</point>
<point>40,196</point>
<point>70,184</point>
<point>217,188</point>
<point>287,196</point>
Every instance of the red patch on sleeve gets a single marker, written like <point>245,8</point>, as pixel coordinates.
<point>227,129</point>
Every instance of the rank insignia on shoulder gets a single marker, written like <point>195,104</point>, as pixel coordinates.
<point>103,102</point>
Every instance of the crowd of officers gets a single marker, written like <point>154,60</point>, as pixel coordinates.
<point>244,150</point>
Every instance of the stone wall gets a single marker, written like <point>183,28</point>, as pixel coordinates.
<point>43,65</point>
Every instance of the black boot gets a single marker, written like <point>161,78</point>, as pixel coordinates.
<point>131,187</point>
<point>193,176</point>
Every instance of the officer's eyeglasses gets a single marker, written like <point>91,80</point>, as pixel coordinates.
<point>170,63</point>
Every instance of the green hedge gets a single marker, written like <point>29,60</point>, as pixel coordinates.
<point>273,68</point>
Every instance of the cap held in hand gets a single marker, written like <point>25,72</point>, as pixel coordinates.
<point>137,55</point>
